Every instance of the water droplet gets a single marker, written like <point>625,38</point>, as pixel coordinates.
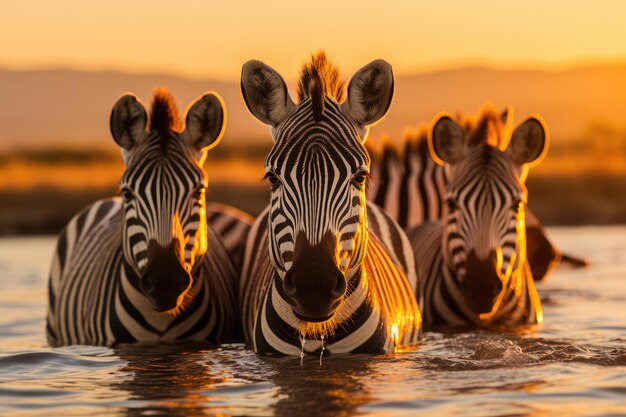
<point>302,340</point>
<point>322,351</point>
<point>395,334</point>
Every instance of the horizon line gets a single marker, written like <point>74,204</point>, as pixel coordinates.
<point>455,65</point>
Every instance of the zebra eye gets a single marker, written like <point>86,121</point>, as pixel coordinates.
<point>273,179</point>
<point>517,204</point>
<point>359,179</point>
<point>199,192</point>
<point>452,206</point>
<point>127,195</point>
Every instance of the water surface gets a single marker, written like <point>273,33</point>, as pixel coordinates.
<point>574,365</point>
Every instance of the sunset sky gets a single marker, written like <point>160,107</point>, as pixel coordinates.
<point>207,39</point>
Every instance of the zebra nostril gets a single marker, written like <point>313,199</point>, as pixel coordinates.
<point>288,285</point>
<point>461,272</point>
<point>146,285</point>
<point>340,287</point>
<point>497,289</point>
<point>185,282</point>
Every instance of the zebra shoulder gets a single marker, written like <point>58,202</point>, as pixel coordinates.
<point>256,273</point>
<point>102,213</point>
<point>426,243</point>
<point>96,224</point>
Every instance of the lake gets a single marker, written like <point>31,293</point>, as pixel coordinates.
<point>574,365</point>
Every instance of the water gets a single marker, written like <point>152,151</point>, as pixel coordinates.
<point>574,365</point>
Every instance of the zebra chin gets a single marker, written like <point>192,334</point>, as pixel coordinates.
<point>170,298</point>
<point>170,306</point>
<point>318,295</point>
<point>315,308</point>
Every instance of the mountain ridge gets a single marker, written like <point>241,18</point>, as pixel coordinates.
<point>72,107</point>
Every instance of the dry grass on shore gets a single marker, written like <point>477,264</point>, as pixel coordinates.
<point>38,194</point>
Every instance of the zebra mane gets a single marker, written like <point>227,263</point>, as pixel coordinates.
<point>164,114</point>
<point>487,129</point>
<point>319,78</point>
<point>414,143</point>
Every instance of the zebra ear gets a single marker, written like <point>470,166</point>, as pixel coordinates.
<point>446,140</point>
<point>507,114</point>
<point>128,122</point>
<point>265,93</point>
<point>205,121</point>
<point>369,93</point>
<point>529,142</point>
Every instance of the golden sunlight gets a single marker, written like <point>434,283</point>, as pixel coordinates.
<point>212,39</point>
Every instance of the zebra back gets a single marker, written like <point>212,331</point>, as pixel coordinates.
<point>232,225</point>
<point>407,182</point>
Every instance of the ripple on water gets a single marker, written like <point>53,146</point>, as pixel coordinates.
<point>58,362</point>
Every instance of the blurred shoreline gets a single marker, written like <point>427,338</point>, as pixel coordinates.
<point>40,190</point>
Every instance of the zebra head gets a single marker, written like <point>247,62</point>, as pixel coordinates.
<point>163,190</point>
<point>484,236</point>
<point>318,169</point>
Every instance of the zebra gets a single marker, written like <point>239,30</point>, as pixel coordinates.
<point>411,187</point>
<point>147,266</point>
<point>232,225</point>
<point>323,270</point>
<point>472,263</point>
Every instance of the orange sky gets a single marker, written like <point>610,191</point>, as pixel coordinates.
<point>207,39</point>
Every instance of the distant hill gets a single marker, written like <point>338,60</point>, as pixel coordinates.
<point>72,107</point>
<point>569,100</point>
<point>65,106</point>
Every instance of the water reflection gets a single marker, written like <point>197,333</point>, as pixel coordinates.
<point>204,380</point>
<point>166,379</point>
<point>336,388</point>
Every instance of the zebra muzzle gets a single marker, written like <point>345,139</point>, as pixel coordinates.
<point>482,283</point>
<point>165,280</point>
<point>314,286</point>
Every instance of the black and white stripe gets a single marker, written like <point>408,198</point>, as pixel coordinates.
<point>232,225</point>
<point>408,184</point>
<point>317,169</point>
<point>148,267</point>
